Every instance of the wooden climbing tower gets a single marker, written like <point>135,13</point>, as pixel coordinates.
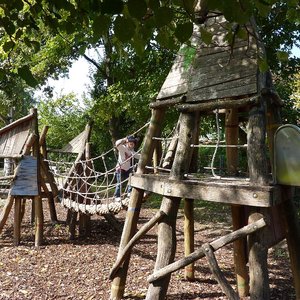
<point>20,142</point>
<point>204,78</point>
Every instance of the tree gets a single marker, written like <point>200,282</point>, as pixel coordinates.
<point>27,25</point>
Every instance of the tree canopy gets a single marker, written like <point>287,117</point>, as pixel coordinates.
<point>38,37</point>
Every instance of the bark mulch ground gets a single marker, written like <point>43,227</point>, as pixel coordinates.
<point>78,269</point>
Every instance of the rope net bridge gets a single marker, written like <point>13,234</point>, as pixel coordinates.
<point>87,185</point>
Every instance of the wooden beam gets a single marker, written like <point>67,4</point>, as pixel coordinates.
<point>219,276</point>
<point>239,192</point>
<point>16,123</point>
<point>217,104</point>
<point>215,245</point>
<point>167,102</point>
<point>142,231</point>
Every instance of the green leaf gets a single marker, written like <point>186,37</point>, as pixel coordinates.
<point>8,25</point>
<point>242,33</point>
<point>2,74</point>
<point>206,36</point>
<point>188,55</point>
<point>25,73</point>
<point>282,55</point>
<point>100,26</point>
<point>263,8</point>
<point>137,8</point>
<point>184,31</point>
<point>8,46</point>
<point>163,16</point>
<point>112,7</point>
<point>154,4</point>
<point>189,5</point>
<point>263,65</point>
<point>124,29</point>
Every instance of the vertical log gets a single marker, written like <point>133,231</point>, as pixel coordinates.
<point>292,229</point>
<point>72,223</point>
<point>17,221</point>
<point>189,236</point>
<point>157,155</point>
<point>6,210</point>
<point>38,205</point>
<point>39,221</point>
<point>237,211</point>
<point>189,242</point>
<point>42,141</point>
<point>154,129</point>
<point>232,134</point>
<point>257,163</point>
<point>167,226</point>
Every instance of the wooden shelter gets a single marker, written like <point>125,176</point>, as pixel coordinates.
<point>204,78</point>
<point>20,141</point>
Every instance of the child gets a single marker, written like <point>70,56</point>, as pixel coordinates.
<point>125,163</point>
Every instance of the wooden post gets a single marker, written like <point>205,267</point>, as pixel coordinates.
<point>72,224</point>
<point>154,129</point>
<point>167,226</point>
<point>38,206</point>
<point>189,208</point>
<point>17,221</point>
<point>257,163</point>
<point>6,210</point>
<point>39,221</point>
<point>189,236</point>
<point>292,228</point>
<point>237,211</point>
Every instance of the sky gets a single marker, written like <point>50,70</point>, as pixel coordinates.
<point>78,80</point>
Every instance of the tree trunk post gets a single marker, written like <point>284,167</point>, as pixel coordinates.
<point>39,221</point>
<point>189,236</point>
<point>154,129</point>
<point>258,171</point>
<point>167,226</point>
<point>237,211</point>
<point>17,221</point>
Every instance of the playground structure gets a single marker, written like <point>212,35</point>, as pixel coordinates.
<point>219,78</point>
<point>70,176</point>
<point>19,141</point>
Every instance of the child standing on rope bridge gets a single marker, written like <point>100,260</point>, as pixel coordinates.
<point>125,163</point>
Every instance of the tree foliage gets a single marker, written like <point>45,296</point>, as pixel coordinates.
<point>73,25</point>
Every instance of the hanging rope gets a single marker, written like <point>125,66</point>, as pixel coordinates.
<point>217,145</point>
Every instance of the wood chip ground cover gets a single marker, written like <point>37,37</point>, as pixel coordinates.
<point>78,269</point>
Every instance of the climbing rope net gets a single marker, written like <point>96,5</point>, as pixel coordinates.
<point>88,185</point>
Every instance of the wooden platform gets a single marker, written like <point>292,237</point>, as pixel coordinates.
<point>230,191</point>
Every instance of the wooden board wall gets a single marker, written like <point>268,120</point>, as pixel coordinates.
<point>215,71</point>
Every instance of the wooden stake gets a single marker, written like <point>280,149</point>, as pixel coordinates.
<point>189,236</point>
<point>216,244</point>
<point>215,269</point>
<point>167,226</point>
<point>154,130</point>
<point>6,210</point>
<point>39,221</point>
<point>143,230</point>
<point>237,211</point>
<point>17,221</point>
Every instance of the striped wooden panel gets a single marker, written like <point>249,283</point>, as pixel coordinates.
<point>12,141</point>
<point>216,71</point>
<point>26,183</point>
<point>77,145</point>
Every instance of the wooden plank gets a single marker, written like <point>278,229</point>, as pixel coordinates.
<point>25,183</point>
<point>216,92</point>
<point>239,192</point>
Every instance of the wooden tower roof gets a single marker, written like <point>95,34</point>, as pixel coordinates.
<point>215,71</point>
